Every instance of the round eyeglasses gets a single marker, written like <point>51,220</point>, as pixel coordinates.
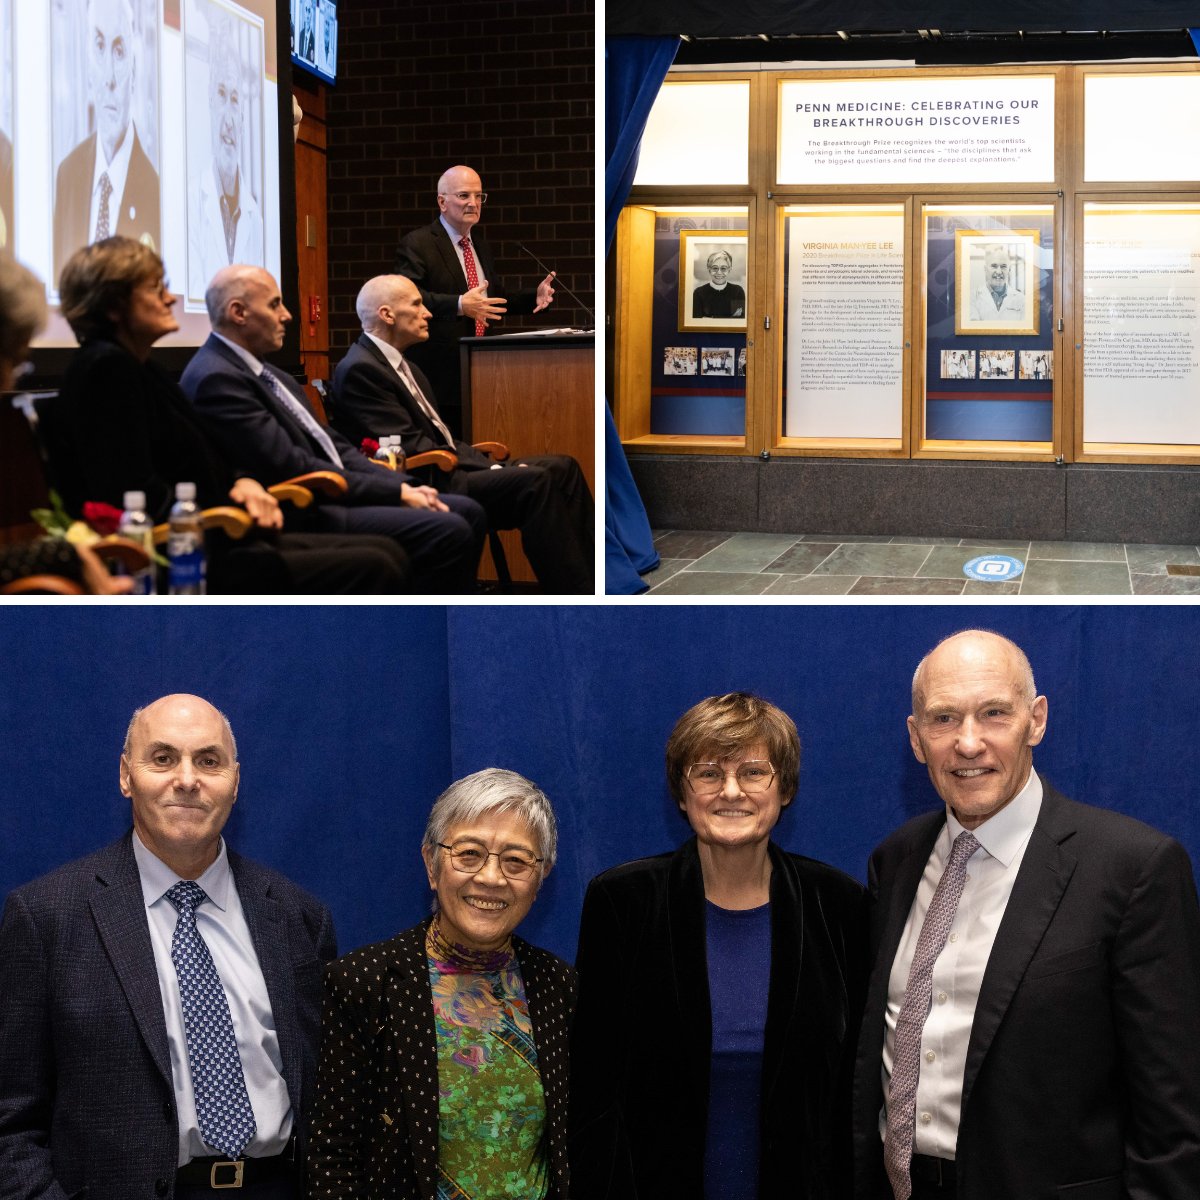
<point>708,778</point>
<point>468,858</point>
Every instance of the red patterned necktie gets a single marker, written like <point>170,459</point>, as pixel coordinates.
<point>472,278</point>
<point>906,1050</point>
<point>102,219</point>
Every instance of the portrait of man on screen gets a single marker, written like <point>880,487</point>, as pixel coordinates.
<point>224,116</point>
<point>104,126</point>
<point>6,149</point>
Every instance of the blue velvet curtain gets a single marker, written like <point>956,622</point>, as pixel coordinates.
<point>633,72</point>
<point>350,719</point>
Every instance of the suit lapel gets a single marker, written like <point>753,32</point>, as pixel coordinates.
<point>687,952</point>
<point>119,910</point>
<point>445,247</point>
<point>1041,881</point>
<point>788,981</point>
<point>269,933</point>
<point>409,999</point>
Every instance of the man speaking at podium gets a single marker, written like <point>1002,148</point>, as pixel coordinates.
<point>451,262</point>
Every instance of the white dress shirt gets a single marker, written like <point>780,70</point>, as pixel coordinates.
<point>222,924</point>
<point>117,171</point>
<point>959,969</point>
<point>398,364</point>
<point>455,241</point>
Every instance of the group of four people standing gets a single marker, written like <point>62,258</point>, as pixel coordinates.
<point>1009,1011</point>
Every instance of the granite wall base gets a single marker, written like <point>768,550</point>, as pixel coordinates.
<point>981,500</point>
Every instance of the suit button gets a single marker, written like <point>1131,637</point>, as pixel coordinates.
<point>161,1187</point>
<point>169,1110</point>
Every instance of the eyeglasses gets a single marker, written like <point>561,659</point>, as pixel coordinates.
<point>707,779</point>
<point>463,197</point>
<point>468,859</point>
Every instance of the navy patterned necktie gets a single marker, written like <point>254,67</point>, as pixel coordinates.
<point>218,1085</point>
<point>906,1050</point>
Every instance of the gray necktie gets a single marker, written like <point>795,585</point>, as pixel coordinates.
<point>419,396</point>
<point>102,217</point>
<point>906,1050</point>
<point>308,422</point>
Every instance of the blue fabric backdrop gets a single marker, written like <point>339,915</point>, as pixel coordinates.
<point>634,68</point>
<point>350,720</point>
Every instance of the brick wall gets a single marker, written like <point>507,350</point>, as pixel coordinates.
<point>505,86</point>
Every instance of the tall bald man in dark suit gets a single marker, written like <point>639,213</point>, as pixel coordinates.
<point>377,392</point>
<point>451,262</point>
<point>160,999</point>
<point>1032,1027</point>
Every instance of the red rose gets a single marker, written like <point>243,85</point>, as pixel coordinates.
<point>369,447</point>
<point>103,518</point>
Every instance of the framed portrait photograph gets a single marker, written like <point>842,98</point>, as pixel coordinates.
<point>1037,364</point>
<point>712,280</point>
<point>996,281</point>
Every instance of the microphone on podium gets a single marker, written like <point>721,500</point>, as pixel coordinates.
<point>558,282</point>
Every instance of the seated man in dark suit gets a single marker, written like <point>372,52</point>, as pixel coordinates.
<point>263,420</point>
<point>451,262</point>
<point>160,999</point>
<point>107,184</point>
<point>378,393</point>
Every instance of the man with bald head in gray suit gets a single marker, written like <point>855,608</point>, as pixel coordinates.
<point>160,998</point>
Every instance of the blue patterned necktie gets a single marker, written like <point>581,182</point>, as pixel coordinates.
<point>218,1085</point>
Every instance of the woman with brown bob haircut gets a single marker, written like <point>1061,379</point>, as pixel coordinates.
<point>121,423</point>
<point>720,989</point>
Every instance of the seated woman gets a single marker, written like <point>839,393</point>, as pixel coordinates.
<point>721,988</point>
<point>443,1066</point>
<point>22,317</point>
<point>121,424</point>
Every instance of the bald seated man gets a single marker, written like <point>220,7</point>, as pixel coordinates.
<point>378,392</point>
<point>451,262</point>
<point>262,419</point>
<point>1032,1026</point>
<point>160,998</point>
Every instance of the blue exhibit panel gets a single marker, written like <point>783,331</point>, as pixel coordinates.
<point>989,420</point>
<point>706,413</point>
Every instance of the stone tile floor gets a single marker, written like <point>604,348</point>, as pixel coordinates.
<point>771,564</point>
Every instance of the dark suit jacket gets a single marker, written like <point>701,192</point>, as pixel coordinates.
<point>372,400</point>
<point>642,1040</point>
<point>119,425</point>
<point>87,1108</point>
<point>379,1136</point>
<point>134,214</point>
<point>256,431</point>
<point>1083,1069</point>
<point>427,257</point>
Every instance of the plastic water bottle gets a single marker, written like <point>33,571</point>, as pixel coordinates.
<point>137,527</point>
<point>185,543</point>
<point>396,445</point>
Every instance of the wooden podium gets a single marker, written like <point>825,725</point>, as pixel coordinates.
<point>536,393</point>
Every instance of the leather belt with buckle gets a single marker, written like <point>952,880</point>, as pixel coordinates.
<point>227,1174</point>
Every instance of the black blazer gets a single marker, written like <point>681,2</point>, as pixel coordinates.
<point>87,1107</point>
<point>642,1040</point>
<point>254,428</point>
<point>371,400</point>
<point>135,214</point>
<point>375,1130</point>
<point>120,425</point>
<point>1083,1069</point>
<point>428,258</point>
